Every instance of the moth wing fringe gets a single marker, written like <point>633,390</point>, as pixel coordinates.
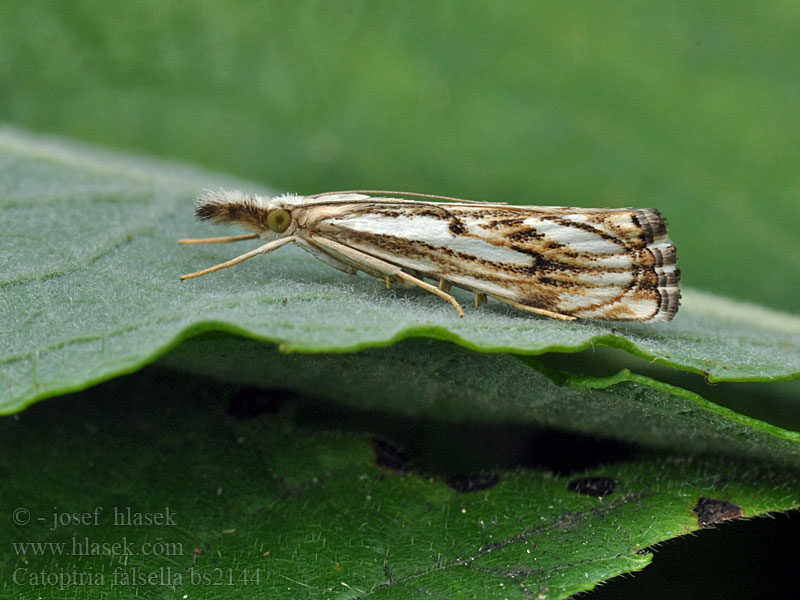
<point>654,227</point>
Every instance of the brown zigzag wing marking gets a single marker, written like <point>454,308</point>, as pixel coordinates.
<point>539,282</point>
<point>623,264</point>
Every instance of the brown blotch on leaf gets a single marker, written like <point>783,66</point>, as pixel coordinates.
<point>710,511</point>
<point>597,487</point>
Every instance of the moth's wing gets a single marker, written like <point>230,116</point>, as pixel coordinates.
<point>332,198</point>
<point>403,197</point>
<point>338,198</point>
<point>615,264</point>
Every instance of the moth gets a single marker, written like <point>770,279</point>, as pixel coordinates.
<point>566,263</point>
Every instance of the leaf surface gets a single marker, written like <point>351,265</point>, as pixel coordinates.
<point>274,503</point>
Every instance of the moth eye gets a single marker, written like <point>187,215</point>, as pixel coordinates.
<point>278,220</point>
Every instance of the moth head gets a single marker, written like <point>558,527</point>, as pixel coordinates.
<point>266,216</point>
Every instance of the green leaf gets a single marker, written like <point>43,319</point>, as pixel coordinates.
<point>433,380</point>
<point>90,288</point>
<point>279,505</point>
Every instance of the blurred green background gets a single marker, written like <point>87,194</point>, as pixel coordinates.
<point>688,107</point>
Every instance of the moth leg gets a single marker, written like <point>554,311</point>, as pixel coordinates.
<point>415,274</point>
<point>479,298</point>
<point>388,282</point>
<point>265,249</point>
<point>433,289</point>
<point>538,311</point>
<point>369,263</point>
<point>444,285</point>
<point>218,240</point>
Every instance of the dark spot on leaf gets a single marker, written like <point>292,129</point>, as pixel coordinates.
<point>390,456</point>
<point>597,487</point>
<point>249,403</point>
<point>464,484</point>
<point>710,511</point>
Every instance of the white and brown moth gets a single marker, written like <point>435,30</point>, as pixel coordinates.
<point>593,263</point>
